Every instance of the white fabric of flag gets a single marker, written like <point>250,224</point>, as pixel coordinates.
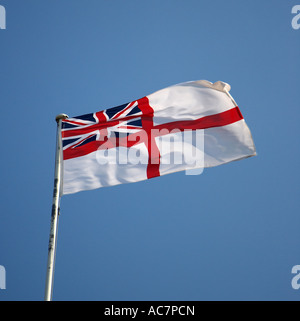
<point>188,126</point>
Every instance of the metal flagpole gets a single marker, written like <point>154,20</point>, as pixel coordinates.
<point>55,210</point>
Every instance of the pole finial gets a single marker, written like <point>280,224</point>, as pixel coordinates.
<point>61,116</point>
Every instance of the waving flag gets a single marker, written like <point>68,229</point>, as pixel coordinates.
<point>186,126</point>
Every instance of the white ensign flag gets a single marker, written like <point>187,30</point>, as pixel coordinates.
<point>188,126</point>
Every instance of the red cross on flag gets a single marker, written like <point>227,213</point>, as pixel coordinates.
<point>188,126</point>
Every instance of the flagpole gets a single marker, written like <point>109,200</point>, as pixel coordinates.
<point>55,210</point>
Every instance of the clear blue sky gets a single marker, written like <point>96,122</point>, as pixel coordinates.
<point>232,233</point>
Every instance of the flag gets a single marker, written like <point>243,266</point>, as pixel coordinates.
<point>188,126</point>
